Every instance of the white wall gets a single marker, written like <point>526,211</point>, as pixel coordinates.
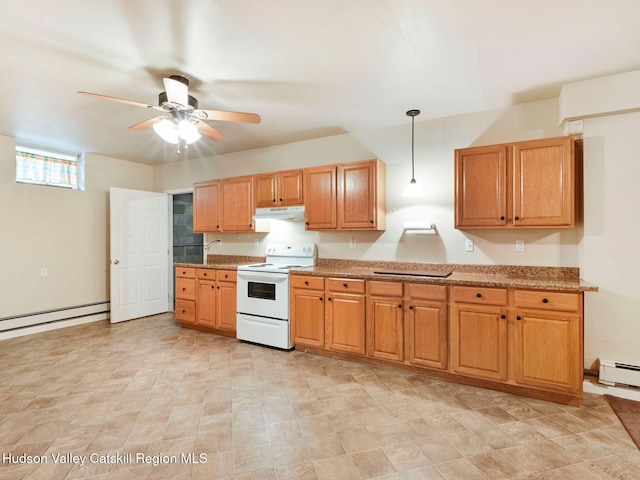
<point>609,255</point>
<point>435,141</point>
<point>63,230</point>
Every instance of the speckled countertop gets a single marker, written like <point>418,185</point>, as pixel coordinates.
<point>506,276</point>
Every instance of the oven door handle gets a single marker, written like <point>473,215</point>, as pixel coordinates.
<point>263,277</point>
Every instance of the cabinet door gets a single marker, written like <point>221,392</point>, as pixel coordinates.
<point>426,333</point>
<point>481,186</point>
<point>345,323</point>
<point>479,341</point>
<point>289,187</point>
<point>357,196</point>
<point>547,350</point>
<point>320,198</point>
<point>226,306</point>
<point>206,207</point>
<point>307,318</point>
<point>206,304</point>
<point>543,190</point>
<point>265,190</point>
<point>237,204</point>
<point>385,328</point>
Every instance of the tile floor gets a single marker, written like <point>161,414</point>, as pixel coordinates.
<point>123,397</point>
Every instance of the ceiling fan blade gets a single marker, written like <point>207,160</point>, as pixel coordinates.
<point>116,99</point>
<point>227,116</point>
<point>209,131</point>
<point>177,91</point>
<point>146,123</point>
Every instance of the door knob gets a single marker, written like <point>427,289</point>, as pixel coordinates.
<point>116,262</point>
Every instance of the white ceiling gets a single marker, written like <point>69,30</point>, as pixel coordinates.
<point>310,68</point>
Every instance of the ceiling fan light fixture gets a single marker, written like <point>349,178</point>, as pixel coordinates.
<point>188,132</point>
<point>413,189</point>
<point>167,130</point>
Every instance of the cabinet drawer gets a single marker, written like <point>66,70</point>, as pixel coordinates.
<point>206,273</point>
<point>345,285</point>
<point>226,275</point>
<point>186,288</point>
<point>186,272</point>
<point>564,302</point>
<point>427,292</point>
<point>484,296</point>
<point>185,311</point>
<point>385,289</point>
<point>312,283</point>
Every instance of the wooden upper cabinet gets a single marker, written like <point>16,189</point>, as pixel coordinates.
<point>320,199</point>
<point>350,196</point>
<point>533,184</point>
<point>481,186</point>
<point>361,196</point>
<point>278,188</point>
<point>237,204</point>
<point>206,206</point>
<point>544,183</point>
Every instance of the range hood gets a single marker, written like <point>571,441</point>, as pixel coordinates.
<point>295,213</point>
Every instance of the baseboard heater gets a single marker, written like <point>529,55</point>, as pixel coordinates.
<point>16,322</point>
<point>614,372</point>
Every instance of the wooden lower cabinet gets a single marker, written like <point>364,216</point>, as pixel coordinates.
<point>212,303</point>
<point>307,311</point>
<point>385,320</point>
<point>547,345</point>
<point>345,316</point>
<point>185,308</point>
<point>426,320</point>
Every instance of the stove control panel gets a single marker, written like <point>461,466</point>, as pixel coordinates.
<point>291,250</point>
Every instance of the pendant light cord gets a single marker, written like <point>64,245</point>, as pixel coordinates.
<point>413,175</point>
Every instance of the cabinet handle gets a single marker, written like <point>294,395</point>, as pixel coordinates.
<point>516,218</point>
<point>226,276</point>
<point>273,200</point>
<point>184,289</point>
<point>503,316</point>
<point>251,224</point>
<point>306,223</point>
<point>479,295</point>
<point>345,285</point>
<point>320,298</point>
<point>184,311</point>
<point>518,317</point>
<point>205,274</point>
<point>545,300</point>
<point>410,307</point>
<point>306,282</point>
<point>281,200</point>
<point>502,217</point>
<point>329,299</point>
<point>218,287</point>
<point>399,306</point>
<point>217,226</point>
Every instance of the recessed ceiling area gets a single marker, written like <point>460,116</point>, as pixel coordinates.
<point>309,69</point>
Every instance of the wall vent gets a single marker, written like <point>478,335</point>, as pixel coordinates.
<point>613,372</point>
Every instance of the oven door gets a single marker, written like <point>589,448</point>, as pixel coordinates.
<point>265,294</point>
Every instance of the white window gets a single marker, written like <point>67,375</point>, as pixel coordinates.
<point>46,167</point>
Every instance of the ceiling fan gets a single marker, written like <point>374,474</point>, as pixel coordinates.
<point>181,121</point>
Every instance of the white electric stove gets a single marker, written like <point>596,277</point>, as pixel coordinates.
<point>263,294</point>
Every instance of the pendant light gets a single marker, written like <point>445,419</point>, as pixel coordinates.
<point>413,189</point>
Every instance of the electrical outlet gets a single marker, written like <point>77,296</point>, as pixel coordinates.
<point>256,242</point>
<point>352,242</point>
<point>44,272</point>
<point>468,245</point>
<point>520,246</point>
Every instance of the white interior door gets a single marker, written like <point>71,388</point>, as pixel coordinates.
<point>139,254</point>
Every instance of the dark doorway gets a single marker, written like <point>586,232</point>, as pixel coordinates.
<point>187,246</point>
